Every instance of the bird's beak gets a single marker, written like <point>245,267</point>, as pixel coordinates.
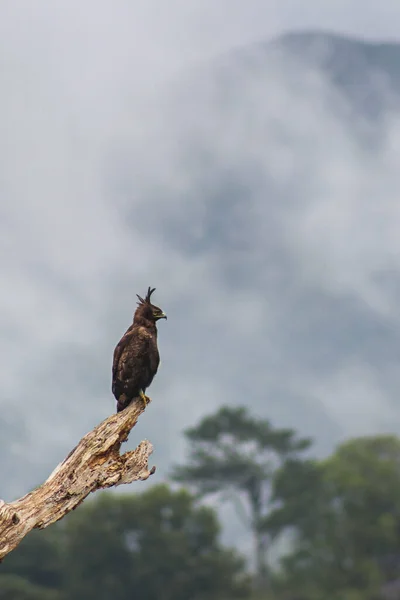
<point>163,316</point>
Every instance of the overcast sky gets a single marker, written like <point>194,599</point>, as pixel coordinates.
<point>281,284</point>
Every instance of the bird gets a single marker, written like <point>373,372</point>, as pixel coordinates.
<point>136,357</point>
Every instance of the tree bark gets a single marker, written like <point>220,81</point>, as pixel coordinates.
<point>261,580</point>
<point>95,463</point>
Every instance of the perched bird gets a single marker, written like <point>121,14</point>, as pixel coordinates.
<point>136,356</point>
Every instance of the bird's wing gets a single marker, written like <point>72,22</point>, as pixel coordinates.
<point>119,348</point>
<point>139,341</point>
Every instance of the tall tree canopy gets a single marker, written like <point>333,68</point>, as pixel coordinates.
<point>157,545</point>
<point>347,543</point>
<point>236,455</point>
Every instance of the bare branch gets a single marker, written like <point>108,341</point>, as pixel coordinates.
<point>95,463</point>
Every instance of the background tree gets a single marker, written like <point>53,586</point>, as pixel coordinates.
<point>13,587</point>
<point>236,455</point>
<point>38,559</point>
<point>347,544</point>
<point>341,516</point>
<point>157,545</point>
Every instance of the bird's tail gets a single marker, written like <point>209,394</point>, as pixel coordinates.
<point>122,402</point>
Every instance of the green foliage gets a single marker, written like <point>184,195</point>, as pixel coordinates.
<point>14,587</point>
<point>236,455</point>
<point>297,486</point>
<point>232,448</point>
<point>158,545</point>
<point>341,515</point>
<point>348,541</point>
<point>38,558</point>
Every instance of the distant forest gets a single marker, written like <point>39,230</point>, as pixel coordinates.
<point>340,517</point>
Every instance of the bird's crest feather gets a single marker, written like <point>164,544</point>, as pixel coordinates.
<point>147,299</point>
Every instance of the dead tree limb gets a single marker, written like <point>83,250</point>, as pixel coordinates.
<point>95,463</point>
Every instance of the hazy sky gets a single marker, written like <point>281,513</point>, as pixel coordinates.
<point>268,229</point>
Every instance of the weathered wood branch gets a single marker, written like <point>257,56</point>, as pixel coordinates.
<point>95,463</point>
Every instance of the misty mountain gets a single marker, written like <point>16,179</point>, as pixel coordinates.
<point>350,63</point>
<point>367,73</point>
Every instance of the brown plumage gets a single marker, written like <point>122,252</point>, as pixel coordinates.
<point>136,356</point>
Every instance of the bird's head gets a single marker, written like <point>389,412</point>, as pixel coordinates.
<point>147,310</point>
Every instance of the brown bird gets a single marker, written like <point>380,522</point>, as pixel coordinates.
<point>136,356</point>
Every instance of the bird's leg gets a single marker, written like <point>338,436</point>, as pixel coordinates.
<point>143,397</point>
